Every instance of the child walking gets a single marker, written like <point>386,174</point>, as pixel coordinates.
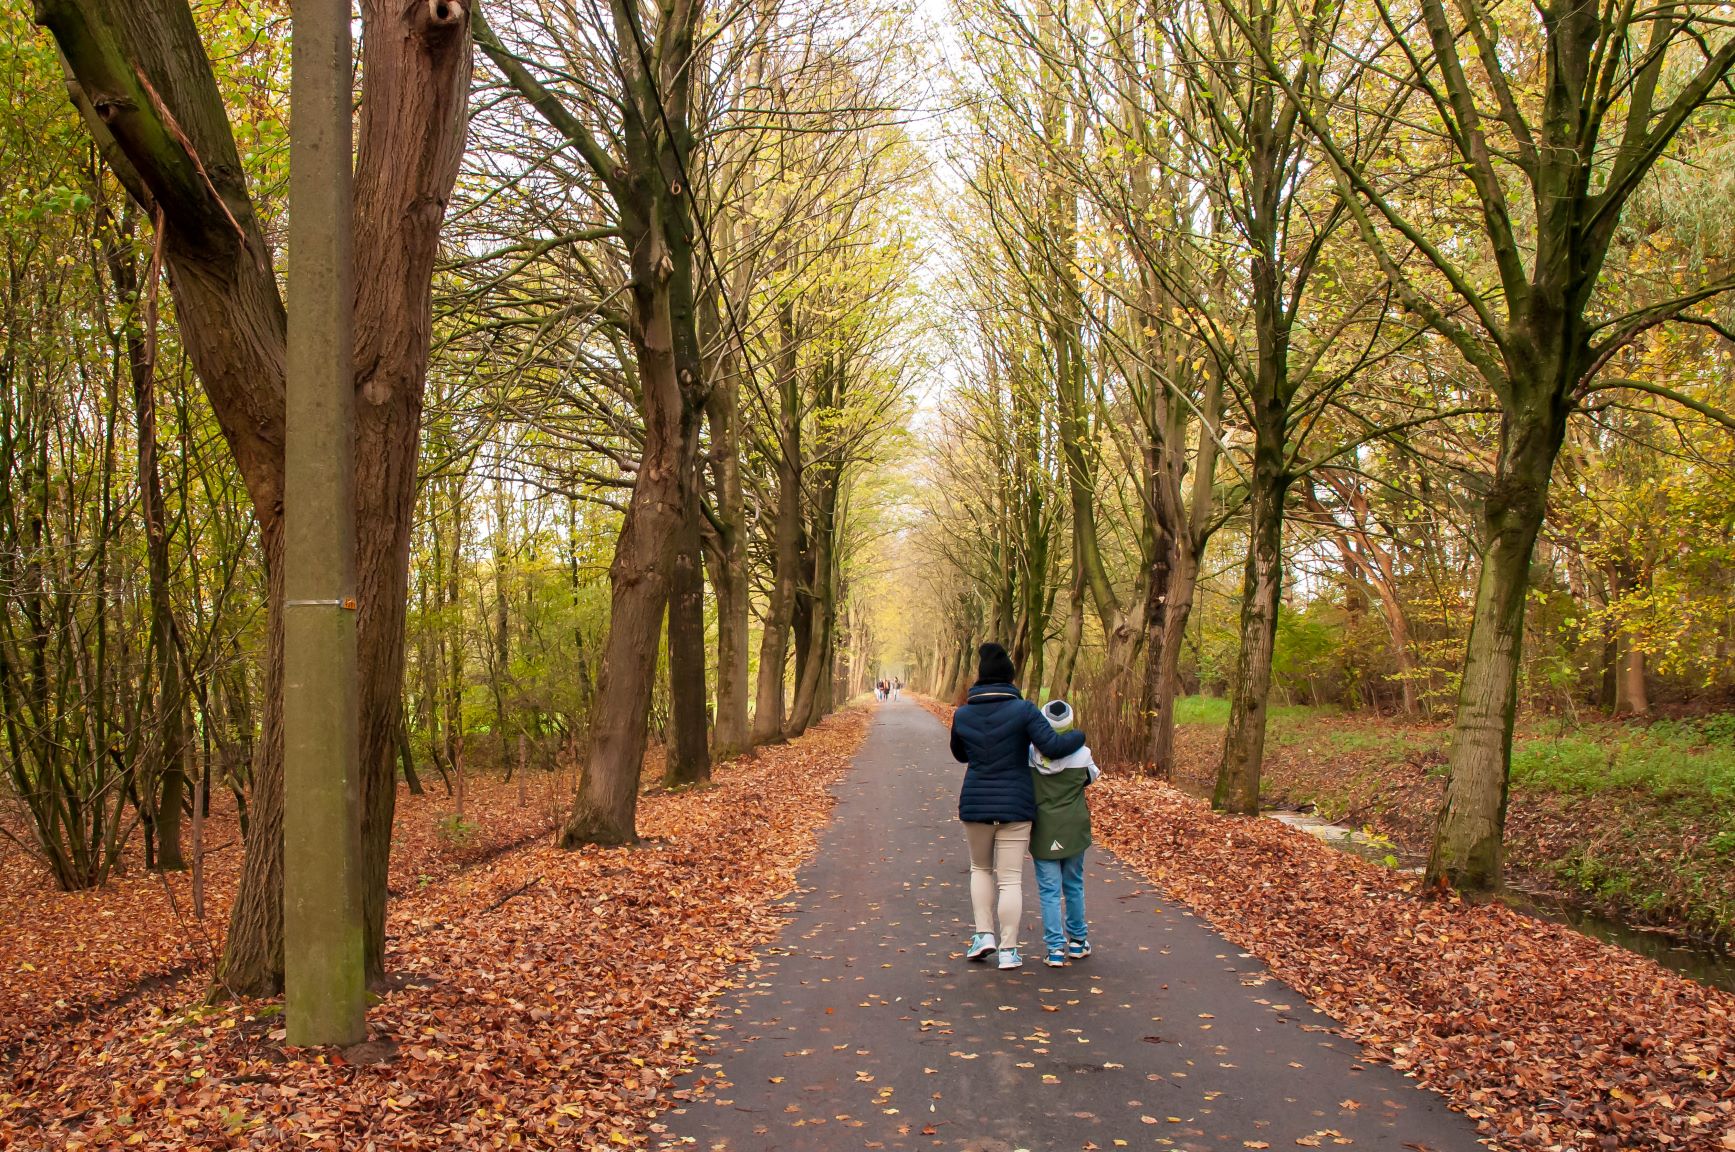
<point>1058,839</point>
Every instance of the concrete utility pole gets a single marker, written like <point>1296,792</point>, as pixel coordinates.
<point>324,965</point>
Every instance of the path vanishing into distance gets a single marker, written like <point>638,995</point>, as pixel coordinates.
<point>866,1027</point>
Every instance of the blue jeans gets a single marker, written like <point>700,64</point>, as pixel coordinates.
<point>1056,879</point>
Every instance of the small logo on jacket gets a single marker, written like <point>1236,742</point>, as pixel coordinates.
<point>1057,846</point>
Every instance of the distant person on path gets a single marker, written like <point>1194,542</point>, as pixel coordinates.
<point>897,684</point>
<point>1058,840</point>
<point>992,732</point>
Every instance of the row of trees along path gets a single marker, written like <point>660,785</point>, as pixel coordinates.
<point>1236,241</point>
<point>146,81</point>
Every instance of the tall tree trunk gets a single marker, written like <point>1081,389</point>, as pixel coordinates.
<point>415,87</point>
<point>1608,696</point>
<point>786,539</point>
<point>1071,640</point>
<point>1270,394</point>
<point>937,686</point>
<point>964,669</point>
<point>1406,661</point>
<point>580,647</point>
<point>605,808</point>
<point>800,625</point>
<point>1237,787</point>
<point>657,223</point>
<point>452,649</point>
<point>169,736</point>
<point>687,760</point>
<point>1158,590</point>
<point>1468,849</point>
<point>407,756</point>
<point>1123,630</point>
<point>429,706</point>
<point>816,668</point>
<point>825,700</point>
<point>1072,413</point>
<point>731,735</point>
<point>500,636</point>
<point>132,68</point>
<point>1631,694</point>
<point>252,962</point>
<point>728,566</point>
<point>807,709</point>
<point>1033,632</point>
<point>1164,523</point>
<point>1183,583</point>
<point>1635,696</point>
<point>1189,554</point>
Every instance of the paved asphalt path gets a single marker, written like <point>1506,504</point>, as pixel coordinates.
<point>866,1028</point>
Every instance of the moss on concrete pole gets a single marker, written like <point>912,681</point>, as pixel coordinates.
<point>324,964</point>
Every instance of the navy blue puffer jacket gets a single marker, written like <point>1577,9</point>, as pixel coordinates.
<point>992,732</point>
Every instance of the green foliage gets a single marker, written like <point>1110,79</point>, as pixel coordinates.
<point>76,673</point>
<point>1719,728</point>
<point>1285,718</point>
<point>456,830</point>
<point>1309,648</point>
<point>1670,761</point>
<point>1202,710</point>
<point>1667,760</point>
<point>1389,741</point>
<point>1210,659</point>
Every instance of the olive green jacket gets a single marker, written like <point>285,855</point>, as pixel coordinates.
<point>1062,828</point>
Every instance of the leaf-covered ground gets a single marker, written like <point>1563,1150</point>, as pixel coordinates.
<point>64,954</point>
<point>1550,1039</point>
<point>540,998</point>
<point>1628,819</point>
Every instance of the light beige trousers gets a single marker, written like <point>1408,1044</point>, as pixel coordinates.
<point>997,877</point>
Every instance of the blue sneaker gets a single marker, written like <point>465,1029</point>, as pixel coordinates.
<point>1078,949</point>
<point>981,947</point>
<point>1009,958</point>
<point>1056,958</point>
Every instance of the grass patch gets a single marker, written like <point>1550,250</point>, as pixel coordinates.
<point>1669,760</point>
<point>1201,710</point>
<point>1690,761</point>
<point>1215,710</point>
<point>1636,819</point>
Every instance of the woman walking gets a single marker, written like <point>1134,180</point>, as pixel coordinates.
<point>992,732</point>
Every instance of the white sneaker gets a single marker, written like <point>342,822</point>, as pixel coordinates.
<point>1009,958</point>
<point>981,947</point>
